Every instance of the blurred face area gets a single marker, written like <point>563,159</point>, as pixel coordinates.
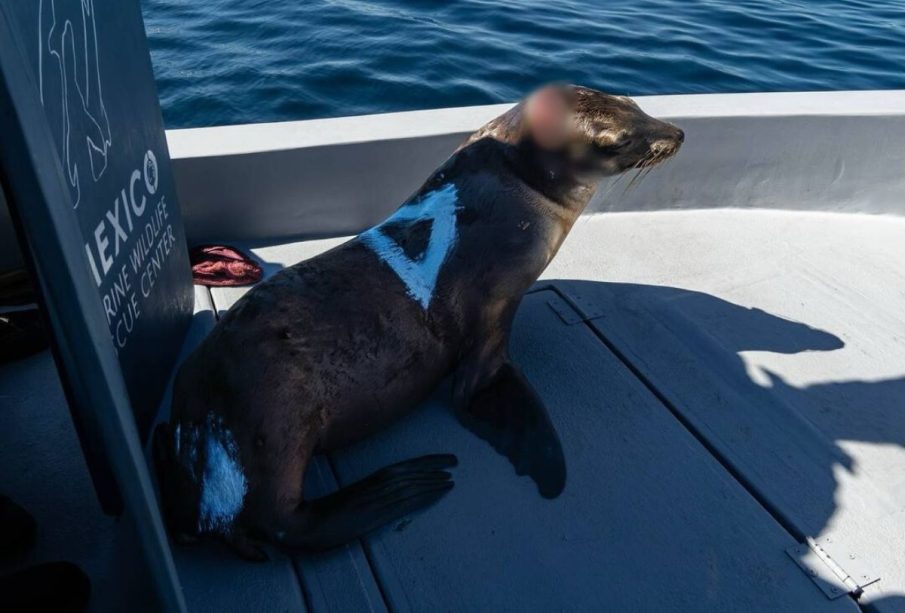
<point>548,113</point>
<point>597,134</point>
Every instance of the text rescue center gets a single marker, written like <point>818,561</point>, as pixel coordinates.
<point>131,214</point>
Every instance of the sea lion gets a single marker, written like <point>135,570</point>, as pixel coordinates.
<point>335,347</point>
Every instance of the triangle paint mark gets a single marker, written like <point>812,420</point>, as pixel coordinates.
<point>412,236</point>
<point>420,276</point>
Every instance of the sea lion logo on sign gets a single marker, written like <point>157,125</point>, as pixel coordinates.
<point>68,48</point>
<point>139,230</point>
<point>125,217</point>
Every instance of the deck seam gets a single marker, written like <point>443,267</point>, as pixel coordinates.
<point>301,583</point>
<point>685,422</point>
<point>711,449</point>
<point>365,548</point>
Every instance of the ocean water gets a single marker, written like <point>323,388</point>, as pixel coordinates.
<point>242,61</point>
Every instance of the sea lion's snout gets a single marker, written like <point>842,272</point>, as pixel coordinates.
<point>664,144</point>
<point>668,145</point>
<point>621,135</point>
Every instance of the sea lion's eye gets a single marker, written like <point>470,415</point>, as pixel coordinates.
<point>621,145</point>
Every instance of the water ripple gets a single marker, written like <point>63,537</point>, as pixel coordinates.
<point>240,61</point>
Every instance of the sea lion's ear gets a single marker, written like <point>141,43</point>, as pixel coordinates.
<point>547,116</point>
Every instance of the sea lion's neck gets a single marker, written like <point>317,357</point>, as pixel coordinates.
<point>546,173</point>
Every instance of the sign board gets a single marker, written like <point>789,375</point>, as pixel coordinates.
<point>85,172</point>
<point>84,169</point>
<point>91,75</point>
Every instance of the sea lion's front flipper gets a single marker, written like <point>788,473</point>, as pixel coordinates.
<point>505,411</point>
<point>359,508</point>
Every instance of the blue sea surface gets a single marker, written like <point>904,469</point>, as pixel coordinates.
<point>243,61</point>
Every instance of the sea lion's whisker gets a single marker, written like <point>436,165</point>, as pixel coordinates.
<point>604,196</point>
<point>632,182</point>
<point>610,188</point>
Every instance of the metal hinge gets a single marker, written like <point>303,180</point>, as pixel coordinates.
<point>574,311</point>
<point>834,568</point>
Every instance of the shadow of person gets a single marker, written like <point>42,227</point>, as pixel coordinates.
<point>885,604</point>
<point>867,411</point>
<point>782,440</point>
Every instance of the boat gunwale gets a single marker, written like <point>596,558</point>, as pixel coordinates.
<point>287,135</point>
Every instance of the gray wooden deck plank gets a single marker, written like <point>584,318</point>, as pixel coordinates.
<point>339,580</point>
<point>780,337</point>
<point>648,521</point>
<point>42,469</point>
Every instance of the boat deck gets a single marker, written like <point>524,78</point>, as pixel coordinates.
<point>726,384</point>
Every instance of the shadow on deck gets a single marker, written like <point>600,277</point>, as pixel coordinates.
<point>696,457</point>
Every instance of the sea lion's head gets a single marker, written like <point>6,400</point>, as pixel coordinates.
<point>566,135</point>
<point>607,133</point>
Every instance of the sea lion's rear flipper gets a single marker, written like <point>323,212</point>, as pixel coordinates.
<point>359,508</point>
<point>505,411</point>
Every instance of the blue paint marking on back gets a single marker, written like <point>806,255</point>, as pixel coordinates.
<point>419,275</point>
<point>223,483</point>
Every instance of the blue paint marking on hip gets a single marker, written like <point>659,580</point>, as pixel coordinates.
<point>223,484</point>
<point>419,275</point>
